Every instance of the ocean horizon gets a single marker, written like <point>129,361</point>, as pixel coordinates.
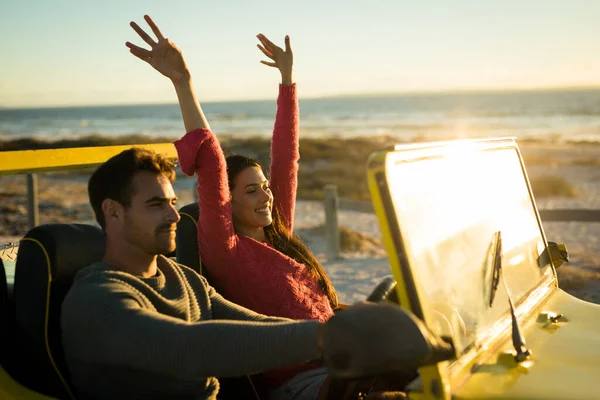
<point>556,114</point>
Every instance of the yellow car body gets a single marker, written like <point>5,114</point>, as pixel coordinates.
<point>438,205</point>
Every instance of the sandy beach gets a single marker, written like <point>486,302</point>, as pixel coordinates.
<point>63,198</point>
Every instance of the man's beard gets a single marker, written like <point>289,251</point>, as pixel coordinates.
<point>157,244</point>
<point>166,246</point>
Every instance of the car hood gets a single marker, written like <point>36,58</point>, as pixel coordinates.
<point>565,361</point>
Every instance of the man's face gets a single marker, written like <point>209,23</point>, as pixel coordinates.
<point>151,220</point>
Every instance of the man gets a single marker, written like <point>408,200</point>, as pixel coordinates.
<point>138,325</point>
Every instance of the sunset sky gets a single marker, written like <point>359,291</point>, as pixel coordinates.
<point>68,53</point>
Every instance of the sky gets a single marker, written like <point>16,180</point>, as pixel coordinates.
<point>72,53</point>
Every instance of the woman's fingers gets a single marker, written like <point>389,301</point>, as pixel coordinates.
<point>154,28</point>
<point>265,51</point>
<point>288,47</point>
<point>270,64</point>
<point>140,53</point>
<point>142,34</point>
<point>267,43</point>
<point>138,49</point>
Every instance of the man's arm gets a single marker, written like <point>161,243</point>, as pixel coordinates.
<point>225,309</point>
<point>104,324</point>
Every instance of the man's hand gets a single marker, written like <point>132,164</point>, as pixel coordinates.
<point>282,59</point>
<point>164,56</point>
<point>373,339</point>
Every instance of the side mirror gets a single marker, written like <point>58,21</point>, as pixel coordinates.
<point>376,339</point>
<point>556,252</point>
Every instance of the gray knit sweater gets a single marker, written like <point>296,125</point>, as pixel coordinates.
<point>168,336</point>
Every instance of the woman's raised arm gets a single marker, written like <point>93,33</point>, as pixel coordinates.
<point>165,57</point>
<point>198,151</point>
<point>284,144</point>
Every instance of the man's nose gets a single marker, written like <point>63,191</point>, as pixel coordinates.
<point>174,216</point>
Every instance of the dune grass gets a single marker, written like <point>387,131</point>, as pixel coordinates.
<point>538,159</point>
<point>337,161</point>
<point>322,161</point>
<point>587,162</point>
<point>552,186</point>
<point>353,241</point>
<point>535,159</point>
<point>350,240</point>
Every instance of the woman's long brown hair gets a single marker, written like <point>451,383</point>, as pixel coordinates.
<point>280,237</point>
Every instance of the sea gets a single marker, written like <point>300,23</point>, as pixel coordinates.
<point>558,115</point>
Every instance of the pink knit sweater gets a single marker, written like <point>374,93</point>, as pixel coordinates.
<point>248,272</point>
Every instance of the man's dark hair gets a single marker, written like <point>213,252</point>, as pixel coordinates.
<point>113,179</point>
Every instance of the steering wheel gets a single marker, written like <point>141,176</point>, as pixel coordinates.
<point>383,290</point>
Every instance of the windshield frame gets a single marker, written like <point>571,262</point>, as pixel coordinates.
<point>408,289</point>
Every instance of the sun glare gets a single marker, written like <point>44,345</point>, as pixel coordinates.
<point>448,208</point>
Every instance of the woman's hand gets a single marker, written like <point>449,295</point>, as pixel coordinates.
<point>167,59</point>
<point>164,56</point>
<point>282,59</point>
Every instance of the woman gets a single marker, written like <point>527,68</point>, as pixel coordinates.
<point>245,225</point>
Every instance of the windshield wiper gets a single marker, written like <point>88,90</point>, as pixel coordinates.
<point>496,246</point>
<point>518,340</point>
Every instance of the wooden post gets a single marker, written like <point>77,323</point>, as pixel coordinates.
<point>332,233</point>
<point>32,201</point>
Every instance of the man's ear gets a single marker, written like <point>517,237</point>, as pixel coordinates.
<point>113,211</point>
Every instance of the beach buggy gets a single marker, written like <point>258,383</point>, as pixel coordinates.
<point>468,257</point>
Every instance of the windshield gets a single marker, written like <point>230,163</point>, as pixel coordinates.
<point>450,210</point>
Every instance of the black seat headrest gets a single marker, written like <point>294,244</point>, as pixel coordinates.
<point>187,237</point>
<point>65,247</point>
<point>49,257</point>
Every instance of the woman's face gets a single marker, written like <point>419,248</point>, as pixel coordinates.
<point>251,200</point>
